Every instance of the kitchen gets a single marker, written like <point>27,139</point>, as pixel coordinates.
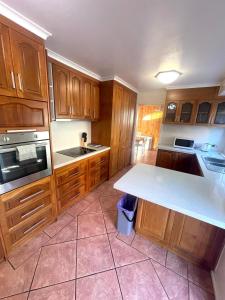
<point>67,152</point>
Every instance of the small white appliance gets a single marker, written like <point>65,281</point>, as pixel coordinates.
<point>183,143</point>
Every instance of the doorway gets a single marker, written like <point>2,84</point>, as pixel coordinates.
<point>149,120</point>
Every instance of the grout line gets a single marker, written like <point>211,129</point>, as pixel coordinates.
<point>159,279</point>
<point>75,283</point>
<point>34,273</point>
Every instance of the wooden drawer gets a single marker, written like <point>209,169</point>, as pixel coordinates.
<point>68,173</point>
<point>29,227</point>
<point>71,185</point>
<point>14,217</point>
<point>23,195</point>
<point>71,196</point>
<point>97,161</point>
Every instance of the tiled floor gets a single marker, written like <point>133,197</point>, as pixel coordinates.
<point>82,256</point>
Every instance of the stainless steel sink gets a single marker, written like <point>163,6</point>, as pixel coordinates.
<point>214,164</point>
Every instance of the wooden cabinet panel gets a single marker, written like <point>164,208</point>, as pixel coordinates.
<point>29,66</point>
<point>95,101</point>
<point>2,255</point>
<point>61,91</point>
<point>7,79</point>
<point>204,111</point>
<point>153,220</point>
<point>171,110</point>
<point>219,115</point>
<point>19,114</point>
<point>77,109</point>
<point>165,159</point>
<point>87,88</point>
<point>186,112</point>
<point>98,169</point>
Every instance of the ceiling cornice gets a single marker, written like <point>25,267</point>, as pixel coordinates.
<point>120,80</point>
<point>192,86</point>
<point>23,21</point>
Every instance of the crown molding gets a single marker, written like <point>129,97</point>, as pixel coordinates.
<point>72,64</point>
<point>21,20</point>
<point>191,86</point>
<point>120,80</point>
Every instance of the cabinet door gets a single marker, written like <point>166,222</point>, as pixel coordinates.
<point>153,221</point>
<point>87,98</point>
<point>76,96</point>
<point>61,78</point>
<point>22,114</point>
<point>186,113</point>
<point>219,118</point>
<point>7,79</point>
<point>171,111</point>
<point>95,101</point>
<point>165,159</point>
<point>30,67</point>
<point>193,239</point>
<point>1,251</point>
<point>204,112</point>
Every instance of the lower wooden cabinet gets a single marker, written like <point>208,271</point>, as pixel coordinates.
<point>194,240</point>
<point>98,169</point>
<point>26,210</point>
<point>2,255</point>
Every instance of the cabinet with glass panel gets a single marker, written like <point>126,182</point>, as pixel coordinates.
<point>219,115</point>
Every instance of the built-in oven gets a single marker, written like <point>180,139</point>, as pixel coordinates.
<point>24,158</point>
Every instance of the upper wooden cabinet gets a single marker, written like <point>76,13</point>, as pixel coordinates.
<point>199,106</point>
<point>22,65</point>
<point>75,95</point>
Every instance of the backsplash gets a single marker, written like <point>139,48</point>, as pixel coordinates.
<point>200,134</point>
<point>68,134</point>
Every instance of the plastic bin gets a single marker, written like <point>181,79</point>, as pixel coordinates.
<point>126,207</point>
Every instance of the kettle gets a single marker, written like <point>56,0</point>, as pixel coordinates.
<point>206,147</point>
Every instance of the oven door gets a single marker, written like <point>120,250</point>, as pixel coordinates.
<point>14,174</point>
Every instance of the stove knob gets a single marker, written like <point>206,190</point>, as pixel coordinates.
<point>6,139</point>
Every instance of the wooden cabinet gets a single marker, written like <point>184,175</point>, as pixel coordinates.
<point>178,161</point>
<point>189,238</point>
<point>22,64</point>
<point>197,106</point>
<point>75,95</point>
<point>26,210</point>
<point>22,114</point>
<point>98,168</point>
<point>2,254</point>
<point>116,123</point>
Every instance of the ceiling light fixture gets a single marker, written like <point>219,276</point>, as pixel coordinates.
<point>167,77</point>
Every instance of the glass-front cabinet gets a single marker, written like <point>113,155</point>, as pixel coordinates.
<point>219,118</point>
<point>186,112</point>
<point>204,112</point>
<point>171,112</point>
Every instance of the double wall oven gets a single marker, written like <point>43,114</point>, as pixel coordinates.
<point>24,158</point>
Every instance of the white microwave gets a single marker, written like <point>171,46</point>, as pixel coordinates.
<point>183,143</point>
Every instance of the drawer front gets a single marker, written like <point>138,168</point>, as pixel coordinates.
<point>31,226</point>
<point>71,172</point>
<point>28,211</point>
<point>26,194</point>
<point>73,184</point>
<point>72,195</point>
<point>98,161</point>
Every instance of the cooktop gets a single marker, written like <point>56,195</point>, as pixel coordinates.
<point>77,151</point>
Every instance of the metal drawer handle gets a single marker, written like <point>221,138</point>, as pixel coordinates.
<point>34,226</point>
<point>13,80</point>
<point>31,196</point>
<point>32,211</point>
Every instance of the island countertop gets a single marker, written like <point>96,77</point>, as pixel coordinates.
<point>198,197</point>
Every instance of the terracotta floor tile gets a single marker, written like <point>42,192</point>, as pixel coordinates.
<point>61,222</point>
<point>57,263</point>
<point>126,238</point>
<point>92,196</point>
<point>108,203</point>
<point>93,255</point>
<point>200,277</point>
<point>150,249</point>
<point>107,189</point>
<point>110,221</point>
<point>176,264</point>
<point>196,293</point>
<point>18,297</point>
<point>68,233</point>
<point>17,281</point>
<point>124,254</point>
<point>77,208</point>
<point>140,282</point>
<point>22,253</point>
<point>62,291</point>
<point>175,285</point>
<point>90,225</point>
<point>94,207</point>
<point>100,286</point>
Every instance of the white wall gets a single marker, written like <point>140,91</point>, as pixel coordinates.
<point>153,97</point>
<point>68,134</point>
<point>201,134</point>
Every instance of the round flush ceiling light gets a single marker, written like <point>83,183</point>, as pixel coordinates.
<point>168,76</point>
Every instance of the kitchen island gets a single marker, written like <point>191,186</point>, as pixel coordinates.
<point>183,212</point>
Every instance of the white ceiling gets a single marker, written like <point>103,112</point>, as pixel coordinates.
<point>135,39</point>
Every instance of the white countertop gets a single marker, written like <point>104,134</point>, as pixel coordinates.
<point>202,198</point>
<point>61,160</point>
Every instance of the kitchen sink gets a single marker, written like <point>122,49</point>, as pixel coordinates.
<point>214,164</point>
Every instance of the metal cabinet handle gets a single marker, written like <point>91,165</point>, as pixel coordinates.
<point>34,226</point>
<point>13,80</point>
<point>31,196</point>
<point>20,81</point>
<point>32,211</point>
